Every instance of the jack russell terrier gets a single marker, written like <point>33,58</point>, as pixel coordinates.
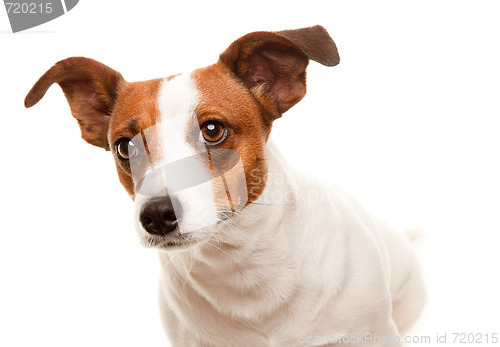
<point>252,252</point>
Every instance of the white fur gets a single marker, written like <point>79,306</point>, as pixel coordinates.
<point>302,265</point>
<point>177,100</point>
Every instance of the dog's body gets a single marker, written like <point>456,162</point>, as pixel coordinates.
<point>252,252</point>
<point>315,268</point>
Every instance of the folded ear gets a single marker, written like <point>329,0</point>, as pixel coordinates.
<point>273,64</point>
<point>91,89</point>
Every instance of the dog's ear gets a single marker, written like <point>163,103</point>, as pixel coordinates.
<point>91,89</point>
<point>273,64</point>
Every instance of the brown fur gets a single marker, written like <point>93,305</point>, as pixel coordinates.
<point>136,106</point>
<point>273,65</point>
<point>258,77</point>
<point>91,89</point>
<point>225,99</point>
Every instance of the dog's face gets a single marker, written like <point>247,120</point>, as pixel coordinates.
<point>196,139</point>
<point>190,148</point>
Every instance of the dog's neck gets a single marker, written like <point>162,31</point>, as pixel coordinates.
<point>248,264</point>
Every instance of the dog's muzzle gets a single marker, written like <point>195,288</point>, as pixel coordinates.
<point>168,184</point>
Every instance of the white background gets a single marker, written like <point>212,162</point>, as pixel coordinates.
<point>409,123</point>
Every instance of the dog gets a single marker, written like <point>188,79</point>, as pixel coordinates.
<point>248,257</point>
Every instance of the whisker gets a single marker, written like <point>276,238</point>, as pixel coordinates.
<point>227,253</point>
<point>192,258</point>
<point>264,204</point>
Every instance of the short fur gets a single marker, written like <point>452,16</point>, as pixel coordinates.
<point>302,263</point>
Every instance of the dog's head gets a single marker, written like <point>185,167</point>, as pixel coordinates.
<point>190,148</point>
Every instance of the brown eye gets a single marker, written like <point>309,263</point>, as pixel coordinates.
<point>125,149</point>
<point>213,132</point>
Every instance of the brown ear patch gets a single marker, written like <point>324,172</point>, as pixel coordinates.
<point>91,89</point>
<point>273,65</point>
<point>282,72</point>
<point>316,43</point>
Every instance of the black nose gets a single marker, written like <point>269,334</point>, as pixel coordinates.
<point>158,216</point>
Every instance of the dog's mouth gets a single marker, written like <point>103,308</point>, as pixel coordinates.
<point>176,240</point>
<point>163,222</point>
<point>171,241</point>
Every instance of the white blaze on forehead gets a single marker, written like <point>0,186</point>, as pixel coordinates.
<point>178,96</point>
<point>177,101</point>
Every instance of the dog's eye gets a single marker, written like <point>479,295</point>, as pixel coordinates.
<point>125,149</point>
<point>213,132</point>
